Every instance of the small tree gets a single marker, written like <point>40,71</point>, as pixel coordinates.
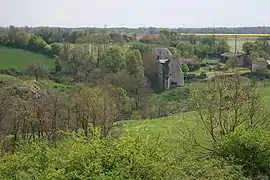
<point>228,103</point>
<point>37,70</point>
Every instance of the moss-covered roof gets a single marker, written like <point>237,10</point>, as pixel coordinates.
<point>231,54</point>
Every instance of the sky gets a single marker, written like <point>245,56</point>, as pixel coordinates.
<point>135,13</point>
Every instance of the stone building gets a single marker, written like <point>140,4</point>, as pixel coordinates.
<point>241,60</point>
<point>169,69</point>
<point>259,65</point>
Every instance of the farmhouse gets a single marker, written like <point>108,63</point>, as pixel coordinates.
<point>169,69</point>
<point>259,65</point>
<point>241,60</point>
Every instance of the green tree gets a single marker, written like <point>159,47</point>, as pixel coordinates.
<point>184,68</point>
<point>55,48</point>
<point>248,148</point>
<point>185,50</point>
<point>222,46</point>
<point>75,59</point>
<point>134,63</point>
<point>173,50</point>
<point>141,47</point>
<point>37,44</point>
<point>112,60</point>
<point>57,65</point>
<point>201,50</point>
<point>249,47</point>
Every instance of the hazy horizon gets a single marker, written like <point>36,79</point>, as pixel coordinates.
<point>135,14</point>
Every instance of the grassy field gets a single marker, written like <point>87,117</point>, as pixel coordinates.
<point>230,35</point>
<point>172,129</point>
<point>20,59</point>
<point>11,80</point>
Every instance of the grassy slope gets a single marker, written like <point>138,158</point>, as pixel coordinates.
<point>11,80</point>
<point>172,128</point>
<point>20,59</point>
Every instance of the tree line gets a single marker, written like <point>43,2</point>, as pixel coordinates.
<point>49,40</point>
<point>152,30</point>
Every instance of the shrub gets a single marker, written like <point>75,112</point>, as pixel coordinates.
<point>248,148</point>
<point>12,72</point>
<point>203,75</point>
<point>124,158</point>
<point>194,66</point>
<point>55,48</point>
<point>184,68</point>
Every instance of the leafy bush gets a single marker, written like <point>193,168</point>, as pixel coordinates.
<point>248,148</point>
<point>124,158</point>
<point>203,75</point>
<point>185,68</point>
<point>194,66</point>
<point>12,72</point>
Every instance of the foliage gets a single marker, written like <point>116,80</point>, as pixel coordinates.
<point>248,148</point>
<point>203,75</point>
<point>227,104</point>
<point>184,68</point>
<point>34,112</point>
<point>125,158</point>
<point>141,47</point>
<point>222,46</point>
<point>37,70</point>
<point>75,60</point>
<point>231,63</point>
<point>169,102</point>
<point>134,63</point>
<point>56,48</point>
<point>112,60</point>
<point>258,49</point>
<point>12,72</point>
<point>99,106</point>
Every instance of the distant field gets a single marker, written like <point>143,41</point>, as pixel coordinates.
<point>241,38</point>
<point>254,36</point>
<point>235,41</point>
<point>231,35</point>
<point>20,59</point>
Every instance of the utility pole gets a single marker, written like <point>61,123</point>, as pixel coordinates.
<point>235,43</point>
<point>213,39</point>
<point>105,35</point>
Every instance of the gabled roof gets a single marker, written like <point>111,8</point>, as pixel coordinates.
<point>163,53</point>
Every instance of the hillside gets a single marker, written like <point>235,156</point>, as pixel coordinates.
<point>20,59</point>
<point>169,129</point>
